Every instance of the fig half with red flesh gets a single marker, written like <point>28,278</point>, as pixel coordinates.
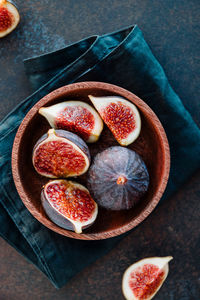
<point>69,205</point>
<point>60,153</point>
<point>143,279</point>
<point>118,178</point>
<point>9,17</point>
<point>75,116</point>
<point>121,117</point>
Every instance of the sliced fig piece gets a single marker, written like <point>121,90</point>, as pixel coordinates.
<point>60,153</point>
<point>143,279</point>
<point>118,178</point>
<point>69,205</point>
<point>9,17</point>
<point>121,117</point>
<point>75,116</point>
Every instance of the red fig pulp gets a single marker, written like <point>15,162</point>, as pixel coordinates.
<point>75,116</point>
<point>60,153</point>
<point>121,117</point>
<point>9,17</point>
<point>118,178</point>
<point>69,205</point>
<point>143,279</point>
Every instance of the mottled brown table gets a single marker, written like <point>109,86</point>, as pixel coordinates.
<point>171,28</point>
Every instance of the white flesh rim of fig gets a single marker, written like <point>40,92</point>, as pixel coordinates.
<point>78,226</point>
<point>100,103</point>
<point>53,137</point>
<point>51,112</point>
<point>13,10</point>
<point>160,262</point>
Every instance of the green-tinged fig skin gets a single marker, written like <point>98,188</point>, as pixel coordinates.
<point>70,136</point>
<point>74,116</point>
<point>144,278</point>
<point>57,218</point>
<point>118,178</point>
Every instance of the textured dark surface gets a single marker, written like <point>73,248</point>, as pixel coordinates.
<point>171,29</point>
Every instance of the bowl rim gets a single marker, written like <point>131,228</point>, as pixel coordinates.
<point>141,105</point>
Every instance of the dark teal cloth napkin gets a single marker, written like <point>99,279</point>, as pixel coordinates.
<point>122,58</point>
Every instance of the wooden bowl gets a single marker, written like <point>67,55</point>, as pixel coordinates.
<point>152,145</point>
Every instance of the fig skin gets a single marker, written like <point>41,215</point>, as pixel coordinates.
<point>75,116</point>
<point>9,17</point>
<point>121,116</point>
<point>64,221</point>
<point>139,283</point>
<point>54,216</point>
<point>118,178</point>
<point>68,137</point>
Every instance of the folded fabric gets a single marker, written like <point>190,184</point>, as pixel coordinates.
<point>122,58</point>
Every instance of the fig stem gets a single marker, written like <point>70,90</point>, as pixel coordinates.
<point>51,132</point>
<point>121,179</point>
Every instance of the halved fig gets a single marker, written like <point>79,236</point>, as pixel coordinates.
<point>69,204</point>
<point>75,116</point>
<point>118,178</point>
<point>143,279</point>
<point>60,153</point>
<point>121,117</point>
<point>9,17</point>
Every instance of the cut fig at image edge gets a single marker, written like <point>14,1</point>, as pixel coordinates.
<point>65,138</point>
<point>58,217</point>
<point>71,115</point>
<point>162,263</point>
<point>9,17</point>
<point>121,116</point>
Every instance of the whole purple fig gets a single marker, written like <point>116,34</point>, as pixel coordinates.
<point>118,178</point>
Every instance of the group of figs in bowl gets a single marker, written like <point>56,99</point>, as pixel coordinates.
<point>90,158</point>
<point>62,153</point>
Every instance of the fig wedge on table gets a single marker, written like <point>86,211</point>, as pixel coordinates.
<point>75,116</point>
<point>9,17</point>
<point>143,279</point>
<point>69,205</point>
<point>60,153</point>
<point>121,116</point>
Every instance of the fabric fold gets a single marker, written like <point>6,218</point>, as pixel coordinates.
<point>121,58</point>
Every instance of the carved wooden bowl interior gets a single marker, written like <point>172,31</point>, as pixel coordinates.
<point>152,145</point>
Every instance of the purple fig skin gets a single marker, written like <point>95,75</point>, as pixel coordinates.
<point>70,136</point>
<point>54,216</point>
<point>57,218</point>
<point>118,178</point>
